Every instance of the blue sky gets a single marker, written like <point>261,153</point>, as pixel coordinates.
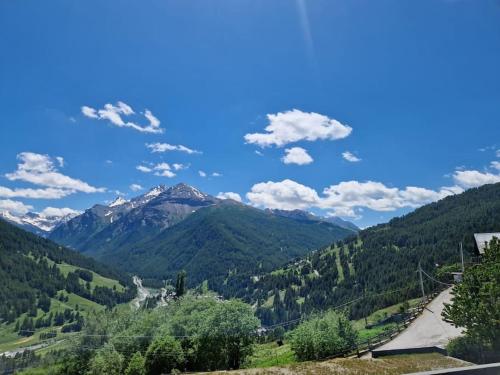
<point>411,88</point>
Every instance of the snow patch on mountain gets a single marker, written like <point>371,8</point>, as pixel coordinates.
<point>118,202</point>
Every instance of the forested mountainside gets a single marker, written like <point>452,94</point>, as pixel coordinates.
<point>380,259</point>
<point>227,238</point>
<point>170,229</point>
<point>31,274</point>
<point>123,222</point>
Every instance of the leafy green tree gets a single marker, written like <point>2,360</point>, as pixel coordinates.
<point>163,355</point>
<point>136,366</point>
<point>106,361</point>
<point>322,336</point>
<point>476,300</point>
<point>226,337</point>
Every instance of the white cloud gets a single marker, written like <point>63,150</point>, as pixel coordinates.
<point>286,195</point>
<point>58,212</point>
<point>296,155</point>
<point>89,112</point>
<point>164,147</point>
<point>135,187</point>
<point>47,193</point>
<point>165,173</point>
<point>40,170</point>
<point>347,199</point>
<point>178,166</point>
<point>229,195</point>
<point>114,113</point>
<point>498,153</point>
<point>259,153</point>
<point>495,165</point>
<point>143,168</point>
<point>162,167</point>
<point>349,156</point>
<point>60,161</point>
<point>14,207</point>
<point>216,174</point>
<point>202,174</point>
<point>163,170</point>
<point>370,194</point>
<point>473,178</point>
<point>295,125</point>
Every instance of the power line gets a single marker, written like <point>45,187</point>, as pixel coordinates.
<point>433,279</point>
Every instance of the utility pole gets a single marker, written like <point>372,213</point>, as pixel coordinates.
<point>421,280</point>
<point>462,256</point>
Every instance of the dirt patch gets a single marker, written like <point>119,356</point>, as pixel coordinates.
<point>394,365</point>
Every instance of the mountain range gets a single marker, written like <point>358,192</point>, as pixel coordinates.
<point>38,223</point>
<point>168,229</point>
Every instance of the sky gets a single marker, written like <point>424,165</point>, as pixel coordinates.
<point>358,109</point>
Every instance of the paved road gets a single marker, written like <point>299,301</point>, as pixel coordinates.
<point>429,329</point>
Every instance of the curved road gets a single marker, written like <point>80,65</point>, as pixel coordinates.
<point>429,329</point>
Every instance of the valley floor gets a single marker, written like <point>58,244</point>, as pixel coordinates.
<point>393,365</point>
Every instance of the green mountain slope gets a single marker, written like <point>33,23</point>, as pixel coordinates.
<point>380,259</point>
<point>227,238</point>
<point>35,272</point>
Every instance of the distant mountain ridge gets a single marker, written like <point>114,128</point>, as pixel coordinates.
<point>304,215</point>
<point>173,228</point>
<point>35,222</point>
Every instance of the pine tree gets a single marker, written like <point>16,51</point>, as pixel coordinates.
<point>180,285</point>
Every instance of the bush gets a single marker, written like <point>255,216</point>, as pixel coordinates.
<point>106,361</point>
<point>163,355</point>
<point>323,336</point>
<point>465,348</point>
<point>136,365</point>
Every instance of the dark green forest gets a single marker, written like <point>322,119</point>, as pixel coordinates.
<point>380,259</point>
<point>29,275</point>
<point>225,238</point>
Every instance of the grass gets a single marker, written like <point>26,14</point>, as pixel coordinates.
<point>84,305</point>
<point>366,333</point>
<point>270,354</point>
<point>97,280</point>
<point>11,340</point>
<point>340,270</point>
<point>393,365</point>
<point>49,369</point>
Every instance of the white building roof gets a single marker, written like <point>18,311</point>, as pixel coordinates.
<point>483,239</point>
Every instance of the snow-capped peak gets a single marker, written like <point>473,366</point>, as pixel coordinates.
<point>9,217</point>
<point>118,202</point>
<point>45,223</point>
<point>185,191</point>
<point>154,192</point>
